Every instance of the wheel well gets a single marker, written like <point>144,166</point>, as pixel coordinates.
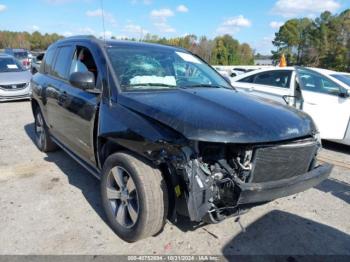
<point>107,147</point>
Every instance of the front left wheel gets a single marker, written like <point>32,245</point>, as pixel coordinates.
<point>134,196</point>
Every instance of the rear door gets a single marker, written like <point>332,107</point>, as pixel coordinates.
<point>272,84</point>
<point>323,101</point>
<point>58,76</point>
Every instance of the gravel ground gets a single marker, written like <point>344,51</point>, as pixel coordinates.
<point>51,205</point>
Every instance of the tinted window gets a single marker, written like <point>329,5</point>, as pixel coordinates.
<point>240,69</point>
<point>343,78</point>
<point>315,82</point>
<point>63,61</point>
<point>274,78</point>
<point>21,55</point>
<point>248,79</point>
<point>46,67</point>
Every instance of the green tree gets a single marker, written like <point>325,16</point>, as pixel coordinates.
<point>293,38</point>
<point>219,54</point>
<point>322,42</point>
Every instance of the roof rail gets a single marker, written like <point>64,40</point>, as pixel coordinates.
<point>80,36</point>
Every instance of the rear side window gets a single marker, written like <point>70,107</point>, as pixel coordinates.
<point>63,61</point>
<point>46,66</point>
<point>21,55</point>
<point>274,78</point>
<point>248,79</point>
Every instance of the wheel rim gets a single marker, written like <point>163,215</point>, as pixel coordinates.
<point>39,130</point>
<point>122,196</point>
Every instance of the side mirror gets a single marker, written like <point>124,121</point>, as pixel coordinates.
<point>82,80</point>
<point>344,93</point>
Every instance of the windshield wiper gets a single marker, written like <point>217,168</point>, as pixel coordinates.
<point>151,84</point>
<point>205,85</point>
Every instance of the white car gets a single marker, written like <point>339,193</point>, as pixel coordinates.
<point>323,94</point>
<point>14,79</point>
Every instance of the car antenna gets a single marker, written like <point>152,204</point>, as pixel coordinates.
<point>105,45</point>
<point>103,21</point>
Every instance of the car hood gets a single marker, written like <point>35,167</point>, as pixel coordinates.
<point>10,78</point>
<point>220,115</point>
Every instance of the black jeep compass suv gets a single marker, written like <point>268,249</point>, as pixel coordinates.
<point>167,135</point>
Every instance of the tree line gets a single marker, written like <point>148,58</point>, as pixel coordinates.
<point>222,50</point>
<point>31,41</point>
<point>321,42</point>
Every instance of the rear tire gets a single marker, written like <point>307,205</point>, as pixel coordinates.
<point>42,137</point>
<point>134,196</point>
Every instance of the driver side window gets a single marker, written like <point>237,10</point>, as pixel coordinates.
<point>314,82</point>
<point>83,61</point>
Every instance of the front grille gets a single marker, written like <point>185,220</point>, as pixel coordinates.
<point>14,87</point>
<point>283,161</point>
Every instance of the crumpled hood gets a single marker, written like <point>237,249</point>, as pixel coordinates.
<point>220,115</point>
<point>11,78</point>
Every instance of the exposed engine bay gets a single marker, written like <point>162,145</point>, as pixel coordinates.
<point>216,176</point>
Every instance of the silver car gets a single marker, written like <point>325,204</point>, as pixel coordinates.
<point>14,79</point>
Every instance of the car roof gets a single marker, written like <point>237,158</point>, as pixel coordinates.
<point>319,70</point>
<point>322,70</point>
<point>111,43</point>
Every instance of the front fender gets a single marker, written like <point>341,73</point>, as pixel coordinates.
<point>138,133</point>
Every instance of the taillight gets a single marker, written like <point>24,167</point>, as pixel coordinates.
<point>25,62</point>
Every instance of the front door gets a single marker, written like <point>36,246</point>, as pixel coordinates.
<point>79,106</point>
<point>325,103</point>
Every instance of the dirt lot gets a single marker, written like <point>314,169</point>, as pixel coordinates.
<point>51,205</point>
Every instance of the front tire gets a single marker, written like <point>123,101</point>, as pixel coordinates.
<point>42,138</point>
<point>134,196</point>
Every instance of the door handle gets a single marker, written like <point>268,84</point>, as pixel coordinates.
<point>311,103</point>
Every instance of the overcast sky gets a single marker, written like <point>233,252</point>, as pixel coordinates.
<point>251,21</point>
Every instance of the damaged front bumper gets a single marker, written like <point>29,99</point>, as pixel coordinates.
<point>267,191</point>
<point>219,184</point>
